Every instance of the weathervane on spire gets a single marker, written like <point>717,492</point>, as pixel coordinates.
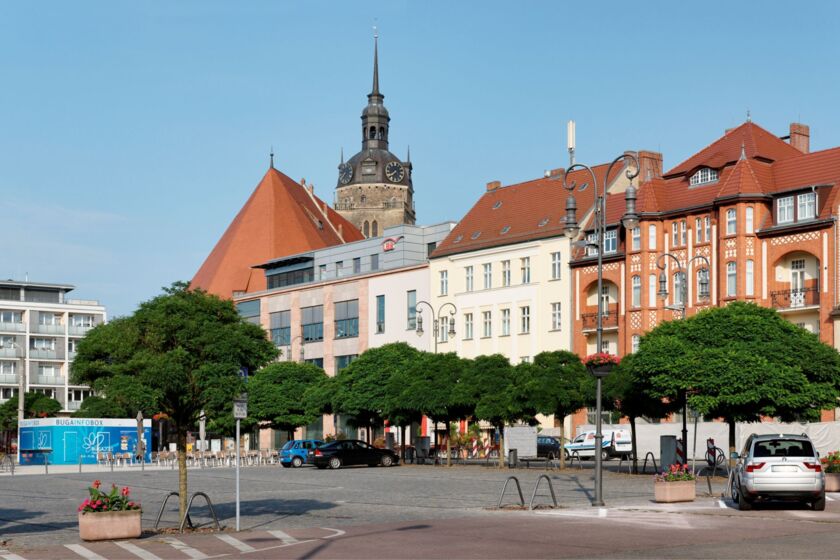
<point>749,118</point>
<point>271,157</point>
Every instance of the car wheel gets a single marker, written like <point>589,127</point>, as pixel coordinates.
<point>387,461</point>
<point>605,455</point>
<point>738,497</point>
<point>297,462</point>
<point>285,465</point>
<point>819,503</point>
<point>335,463</point>
<point>567,455</point>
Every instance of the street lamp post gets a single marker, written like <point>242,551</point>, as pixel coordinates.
<point>630,221</point>
<point>21,390</point>
<point>436,320</point>
<point>680,306</point>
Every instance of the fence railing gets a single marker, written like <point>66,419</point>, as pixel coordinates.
<point>610,318</point>
<point>792,299</point>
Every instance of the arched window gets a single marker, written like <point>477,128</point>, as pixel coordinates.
<point>731,279</point>
<point>679,287</point>
<point>704,175</point>
<point>382,133</point>
<point>731,222</point>
<point>372,133</point>
<point>637,291</point>
<point>375,228</point>
<point>367,229</point>
<point>635,340</point>
<point>363,199</point>
<point>749,219</point>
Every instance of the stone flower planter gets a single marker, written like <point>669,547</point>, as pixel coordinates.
<point>832,482</point>
<point>670,492</point>
<point>108,525</point>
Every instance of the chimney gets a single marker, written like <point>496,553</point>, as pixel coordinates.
<point>650,165</point>
<point>493,185</point>
<point>554,173</point>
<point>800,137</point>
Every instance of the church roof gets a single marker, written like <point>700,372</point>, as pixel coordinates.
<point>281,217</point>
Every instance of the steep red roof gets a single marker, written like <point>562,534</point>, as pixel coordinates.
<point>281,217</point>
<point>521,212</point>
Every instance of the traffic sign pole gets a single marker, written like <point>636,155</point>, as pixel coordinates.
<point>240,411</point>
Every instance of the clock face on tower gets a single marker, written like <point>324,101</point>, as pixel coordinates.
<point>394,171</point>
<point>345,173</point>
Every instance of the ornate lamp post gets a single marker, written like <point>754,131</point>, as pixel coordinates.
<point>680,306</point>
<point>436,320</point>
<point>630,221</point>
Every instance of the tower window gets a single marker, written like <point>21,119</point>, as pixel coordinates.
<point>372,133</point>
<point>382,133</point>
<point>367,229</point>
<point>375,228</point>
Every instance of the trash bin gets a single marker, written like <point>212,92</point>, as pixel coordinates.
<point>667,451</point>
<point>389,441</point>
<point>513,458</point>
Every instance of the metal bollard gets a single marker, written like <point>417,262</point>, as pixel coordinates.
<point>80,462</point>
<point>46,464</point>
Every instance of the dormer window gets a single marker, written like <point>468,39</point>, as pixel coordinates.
<point>796,208</point>
<point>703,176</point>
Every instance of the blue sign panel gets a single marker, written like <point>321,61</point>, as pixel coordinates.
<point>65,440</point>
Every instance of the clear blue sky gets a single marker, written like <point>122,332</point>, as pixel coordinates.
<point>132,132</point>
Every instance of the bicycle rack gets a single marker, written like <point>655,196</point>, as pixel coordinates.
<point>163,506</point>
<point>629,463</point>
<point>209,505</point>
<point>8,459</point>
<point>536,487</point>
<point>572,457</point>
<point>652,459</point>
<point>518,488</point>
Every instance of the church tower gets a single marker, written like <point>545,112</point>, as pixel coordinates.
<point>374,189</point>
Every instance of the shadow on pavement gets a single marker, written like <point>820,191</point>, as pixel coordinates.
<point>20,522</point>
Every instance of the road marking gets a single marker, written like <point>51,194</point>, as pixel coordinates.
<point>602,512</point>
<point>336,533</point>
<point>722,504</point>
<point>84,552</point>
<point>829,498</point>
<point>137,551</point>
<point>236,543</point>
<point>183,547</point>
<point>10,555</point>
<point>285,537</point>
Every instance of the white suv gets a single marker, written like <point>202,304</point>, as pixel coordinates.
<point>778,467</point>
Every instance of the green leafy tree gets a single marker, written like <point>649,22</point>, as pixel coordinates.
<point>740,362</point>
<point>36,405</point>
<point>277,395</point>
<point>362,387</point>
<point>179,353</point>
<point>98,407</point>
<point>558,383</point>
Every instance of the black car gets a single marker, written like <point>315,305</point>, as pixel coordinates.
<point>351,452</point>
<point>548,446</point>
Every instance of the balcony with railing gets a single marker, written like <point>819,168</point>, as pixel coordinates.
<point>52,380</point>
<point>609,320</point>
<point>9,378</point>
<point>48,329</point>
<point>45,354</point>
<point>10,326</point>
<point>78,330</point>
<point>801,298</point>
<point>10,352</point>
<point>74,405</point>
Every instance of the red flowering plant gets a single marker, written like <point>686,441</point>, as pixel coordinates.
<point>118,499</point>
<point>675,473</point>
<point>601,359</point>
<point>831,462</point>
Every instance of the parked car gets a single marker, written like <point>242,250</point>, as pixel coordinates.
<point>351,452</point>
<point>778,467</point>
<point>616,443</point>
<point>296,452</point>
<point>548,446</point>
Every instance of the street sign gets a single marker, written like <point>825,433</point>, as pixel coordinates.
<point>240,409</point>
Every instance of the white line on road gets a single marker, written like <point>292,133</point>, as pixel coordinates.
<point>285,537</point>
<point>236,543</point>
<point>336,532</point>
<point>84,552</point>
<point>6,555</point>
<point>829,498</point>
<point>183,547</point>
<point>722,504</point>
<point>137,551</point>
<point>602,512</point>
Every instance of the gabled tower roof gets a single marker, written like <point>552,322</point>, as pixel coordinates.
<point>281,217</point>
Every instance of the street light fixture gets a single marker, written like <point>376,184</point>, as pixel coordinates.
<point>703,293</point>
<point>436,320</point>
<point>629,220</point>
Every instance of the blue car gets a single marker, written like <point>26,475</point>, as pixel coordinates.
<point>295,452</point>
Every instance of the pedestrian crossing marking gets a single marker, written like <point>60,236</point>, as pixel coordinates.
<point>236,543</point>
<point>183,547</point>
<point>285,537</point>
<point>137,551</point>
<point>85,553</point>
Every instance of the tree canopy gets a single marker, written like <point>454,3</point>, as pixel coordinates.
<point>36,405</point>
<point>277,394</point>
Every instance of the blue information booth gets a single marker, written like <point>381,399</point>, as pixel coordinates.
<point>65,440</point>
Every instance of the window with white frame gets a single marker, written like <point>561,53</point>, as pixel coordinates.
<point>488,276</point>
<point>525,359</point>
<point>636,284</point>
<point>591,244</point>
<point>505,273</point>
<point>444,282</point>
<point>605,346</point>
<point>443,335</point>
<point>555,317</point>
<point>7,341</point>
<point>703,176</point>
<point>749,219</point>
<point>525,316</point>
<point>784,210</point>
<point>702,276</point>
<point>525,263</point>
<point>807,206</point>
<point>80,321</point>
<point>731,222</point>
<point>8,367</point>
<point>675,234</point>
<point>605,298</point>
<point>48,370</point>
<point>469,278</point>
<point>698,230</point>
<point>505,322</point>
<point>652,290</point>
<point>749,277</point>
<point>707,225</point>
<point>651,237</point>
<point>679,288</point>
<point>42,343</point>
<point>610,241</point>
<point>468,326</point>
<point>636,238</point>
<point>731,279</point>
<point>487,324</point>
<point>634,342</point>
<point>556,269</point>
<point>9,316</point>
<point>54,319</point>
<point>683,232</point>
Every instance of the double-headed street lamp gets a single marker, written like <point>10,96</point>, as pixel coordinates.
<point>630,221</point>
<point>436,320</point>
<point>680,306</point>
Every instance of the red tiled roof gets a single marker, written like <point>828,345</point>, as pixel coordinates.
<point>519,209</point>
<point>280,218</point>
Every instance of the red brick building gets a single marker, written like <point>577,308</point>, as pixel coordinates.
<point>762,209</point>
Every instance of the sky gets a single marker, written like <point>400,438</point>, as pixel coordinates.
<point>131,133</point>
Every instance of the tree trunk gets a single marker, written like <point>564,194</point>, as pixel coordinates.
<point>731,442</point>
<point>562,458</point>
<point>501,446</point>
<point>448,444</point>
<point>402,443</point>
<point>437,444</point>
<point>182,472</point>
<point>633,444</point>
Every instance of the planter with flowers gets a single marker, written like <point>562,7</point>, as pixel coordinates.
<point>600,364</point>
<point>674,485</point>
<point>109,515</point>
<point>831,467</point>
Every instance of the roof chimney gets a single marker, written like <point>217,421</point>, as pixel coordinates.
<point>493,185</point>
<point>556,172</point>
<point>650,164</point>
<point>800,137</point>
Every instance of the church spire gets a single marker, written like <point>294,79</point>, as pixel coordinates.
<point>375,89</point>
<point>375,116</point>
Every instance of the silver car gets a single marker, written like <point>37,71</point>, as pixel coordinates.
<point>778,467</point>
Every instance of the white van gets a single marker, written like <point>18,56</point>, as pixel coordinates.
<point>616,443</point>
